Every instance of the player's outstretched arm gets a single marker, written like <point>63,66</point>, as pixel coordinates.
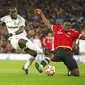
<point>45,20</point>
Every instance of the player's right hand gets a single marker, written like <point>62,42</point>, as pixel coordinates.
<point>38,11</point>
<point>6,36</point>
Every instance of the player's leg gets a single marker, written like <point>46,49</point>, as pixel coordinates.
<point>44,62</point>
<point>33,50</point>
<point>71,64</point>
<point>75,72</point>
<point>29,44</point>
<point>17,42</point>
<point>27,64</point>
<point>31,58</point>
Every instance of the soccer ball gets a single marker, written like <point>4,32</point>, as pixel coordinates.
<point>50,70</point>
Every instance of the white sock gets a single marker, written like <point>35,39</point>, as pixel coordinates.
<point>29,61</point>
<point>41,66</point>
<point>34,47</point>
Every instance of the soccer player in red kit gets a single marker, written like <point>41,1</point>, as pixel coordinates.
<point>63,41</point>
<point>48,41</point>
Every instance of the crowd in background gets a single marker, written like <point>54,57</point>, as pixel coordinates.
<point>55,10</point>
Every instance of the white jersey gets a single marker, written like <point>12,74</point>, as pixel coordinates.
<point>13,24</point>
<point>82,46</point>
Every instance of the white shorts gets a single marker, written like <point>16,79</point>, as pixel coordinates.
<point>14,42</point>
<point>15,38</point>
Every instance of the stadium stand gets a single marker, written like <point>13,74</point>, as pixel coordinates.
<point>58,10</point>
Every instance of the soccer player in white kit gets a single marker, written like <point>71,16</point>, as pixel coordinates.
<point>17,36</point>
<point>82,50</point>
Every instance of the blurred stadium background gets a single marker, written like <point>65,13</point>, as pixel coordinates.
<point>56,11</point>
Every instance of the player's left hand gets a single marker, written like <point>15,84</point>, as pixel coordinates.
<point>38,11</point>
<point>6,36</point>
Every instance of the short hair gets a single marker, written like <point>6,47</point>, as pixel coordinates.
<point>12,7</point>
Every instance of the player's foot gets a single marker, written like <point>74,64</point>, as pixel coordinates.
<point>38,67</point>
<point>69,73</point>
<point>25,70</point>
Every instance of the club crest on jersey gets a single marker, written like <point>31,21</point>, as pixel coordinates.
<point>69,33</point>
<point>59,32</point>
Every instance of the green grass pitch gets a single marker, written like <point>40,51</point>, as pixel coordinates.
<point>12,74</point>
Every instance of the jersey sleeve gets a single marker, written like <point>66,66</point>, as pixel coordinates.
<point>21,21</point>
<point>76,34</point>
<point>2,19</point>
<point>55,27</point>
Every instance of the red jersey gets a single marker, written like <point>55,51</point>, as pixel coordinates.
<point>62,38</point>
<point>48,43</point>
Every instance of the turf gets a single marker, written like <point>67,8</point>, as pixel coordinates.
<point>12,74</point>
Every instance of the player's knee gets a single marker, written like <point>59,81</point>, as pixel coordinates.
<point>31,52</point>
<point>22,43</point>
<point>51,56</point>
<point>75,72</point>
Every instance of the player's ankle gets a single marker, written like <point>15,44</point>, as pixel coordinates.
<point>41,66</point>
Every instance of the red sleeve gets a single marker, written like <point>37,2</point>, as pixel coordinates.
<point>75,33</point>
<point>55,27</point>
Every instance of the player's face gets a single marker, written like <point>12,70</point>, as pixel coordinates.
<point>66,26</point>
<point>50,35</point>
<point>13,13</point>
